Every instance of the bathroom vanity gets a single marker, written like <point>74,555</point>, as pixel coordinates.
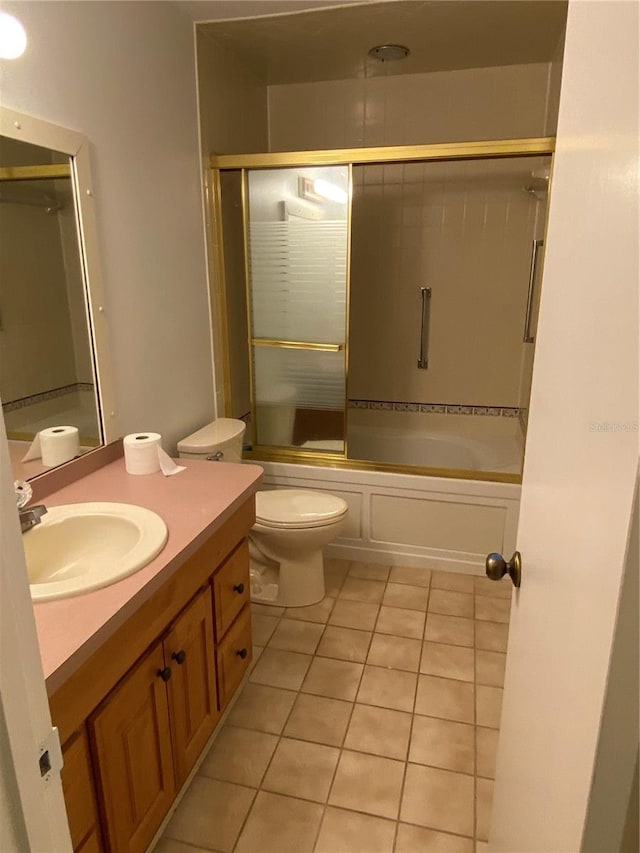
<point>139,672</point>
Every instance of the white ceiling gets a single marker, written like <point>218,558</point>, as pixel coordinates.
<point>332,44</point>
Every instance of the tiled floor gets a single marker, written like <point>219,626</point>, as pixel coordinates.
<point>368,725</point>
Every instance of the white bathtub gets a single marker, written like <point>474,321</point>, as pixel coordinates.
<point>463,442</point>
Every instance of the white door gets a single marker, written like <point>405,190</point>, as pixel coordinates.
<point>32,811</point>
<point>582,448</point>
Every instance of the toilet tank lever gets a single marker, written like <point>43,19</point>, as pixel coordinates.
<point>216,457</point>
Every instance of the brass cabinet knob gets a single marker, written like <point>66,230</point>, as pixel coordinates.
<point>497,567</point>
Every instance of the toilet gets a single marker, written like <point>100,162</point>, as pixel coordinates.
<point>292,525</point>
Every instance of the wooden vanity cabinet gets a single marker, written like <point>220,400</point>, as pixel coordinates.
<point>140,742</point>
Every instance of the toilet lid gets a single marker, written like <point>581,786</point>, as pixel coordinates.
<point>298,508</point>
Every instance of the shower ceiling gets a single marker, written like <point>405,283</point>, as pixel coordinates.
<point>332,44</point>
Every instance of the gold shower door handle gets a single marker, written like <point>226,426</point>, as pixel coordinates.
<point>423,358</point>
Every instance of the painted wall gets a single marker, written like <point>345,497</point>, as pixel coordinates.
<point>445,106</point>
<point>123,74</point>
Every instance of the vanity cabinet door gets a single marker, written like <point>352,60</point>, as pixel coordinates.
<point>132,740</point>
<point>193,706</point>
<point>79,797</point>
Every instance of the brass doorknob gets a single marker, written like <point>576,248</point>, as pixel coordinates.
<point>497,567</point>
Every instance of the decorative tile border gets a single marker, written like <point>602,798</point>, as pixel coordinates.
<point>438,408</point>
<point>43,396</point>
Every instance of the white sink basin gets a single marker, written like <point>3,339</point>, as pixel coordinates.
<point>78,547</point>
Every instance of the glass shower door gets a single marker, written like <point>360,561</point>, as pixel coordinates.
<point>445,271</point>
<point>297,251</point>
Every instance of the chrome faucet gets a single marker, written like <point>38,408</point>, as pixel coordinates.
<point>31,516</point>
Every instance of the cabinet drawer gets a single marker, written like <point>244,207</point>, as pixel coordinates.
<point>231,588</point>
<point>77,784</point>
<point>233,656</point>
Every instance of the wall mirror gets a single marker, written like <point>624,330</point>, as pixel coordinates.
<point>54,357</point>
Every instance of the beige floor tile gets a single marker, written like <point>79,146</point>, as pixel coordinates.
<point>257,651</point>
<point>281,669</point>
<point>492,609</point>
<point>491,636</point>
<point>400,622</point>
<point>484,801</point>
<point>406,596</point>
<point>337,566</point>
<point>319,719</point>
<point>357,589</point>
<point>453,581</point>
<point>415,576</point>
<point>442,743</point>
<point>296,636</point>
<point>346,832</point>
<point>338,679</point>
<point>266,609</point>
<point>313,613</point>
<point>494,589</point>
<point>334,576</point>
<point>279,824</point>
<point>211,814</point>
<point>354,614</point>
<point>490,668</point>
<point>445,698</point>
<point>447,661</point>
<point>301,769</point>
<point>262,627</point>
<point>486,752</point>
<point>482,846</point>
<point>387,688</point>
<point>168,845</point>
<point>451,603</point>
<point>262,708</point>
<point>367,783</point>
<point>379,731</point>
<point>240,756</point>
<point>344,644</point>
<point>488,706</point>
<point>416,839</point>
<point>394,652</point>
<point>438,799</point>
<point>369,571</point>
<point>449,629</point>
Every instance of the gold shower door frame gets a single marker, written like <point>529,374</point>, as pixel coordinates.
<point>530,147</point>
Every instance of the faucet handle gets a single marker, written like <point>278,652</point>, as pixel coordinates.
<point>23,491</point>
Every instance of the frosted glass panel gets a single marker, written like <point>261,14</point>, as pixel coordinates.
<point>299,396</point>
<point>298,253</point>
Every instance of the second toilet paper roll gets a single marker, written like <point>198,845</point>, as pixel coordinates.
<point>143,454</point>
<point>54,445</point>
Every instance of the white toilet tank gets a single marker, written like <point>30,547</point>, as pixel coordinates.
<point>222,436</point>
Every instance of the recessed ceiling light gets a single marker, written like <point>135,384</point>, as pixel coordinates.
<point>389,52</point>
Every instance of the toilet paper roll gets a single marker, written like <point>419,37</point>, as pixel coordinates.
<point>54,445</point>
<point>143,454</point>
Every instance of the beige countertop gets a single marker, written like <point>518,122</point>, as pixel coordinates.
<point>193,503</point>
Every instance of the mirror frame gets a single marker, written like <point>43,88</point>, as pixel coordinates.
<point>26,128</point>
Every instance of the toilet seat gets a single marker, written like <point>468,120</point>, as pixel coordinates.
<point>298,508</point>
